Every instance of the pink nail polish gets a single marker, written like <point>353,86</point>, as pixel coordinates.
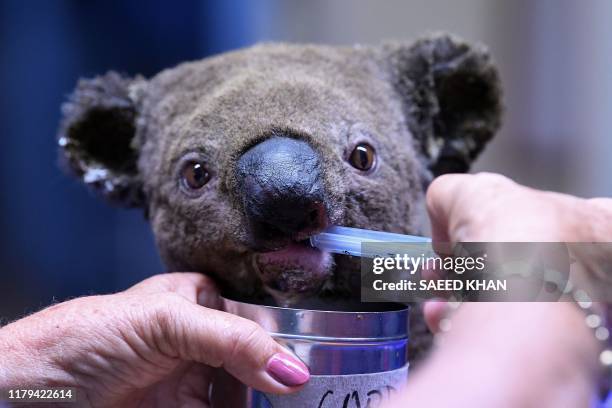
<point>287,370</point>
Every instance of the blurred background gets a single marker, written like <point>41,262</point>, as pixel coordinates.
<point>58,241</point>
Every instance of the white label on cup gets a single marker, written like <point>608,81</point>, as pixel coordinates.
<point>344,391</point>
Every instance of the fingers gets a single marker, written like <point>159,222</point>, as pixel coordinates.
<point>180,327</point>
<point>434,311</point>
<point>191,332</point>
<point>440,200</point>
<point>187,386</point>
<point>195,386</point>
<point>460,205</point>
<point>600,211</point>
<point>195,287</point>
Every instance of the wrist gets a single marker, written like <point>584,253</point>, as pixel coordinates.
<point>599,215</point>
<point>590,220</point>
<point>26,360</point>
<point>538,354</point>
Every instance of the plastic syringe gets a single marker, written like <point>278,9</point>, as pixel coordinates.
<point>347,241</point>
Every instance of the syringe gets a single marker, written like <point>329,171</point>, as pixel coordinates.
<point>347,241</point>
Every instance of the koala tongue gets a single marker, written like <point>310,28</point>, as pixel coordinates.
<point>293,272</point>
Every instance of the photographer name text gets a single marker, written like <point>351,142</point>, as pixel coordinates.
<point>447,285</point>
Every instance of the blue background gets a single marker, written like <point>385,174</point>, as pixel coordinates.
<point>57,240</point>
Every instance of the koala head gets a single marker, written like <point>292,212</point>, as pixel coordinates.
<point>237,159</point>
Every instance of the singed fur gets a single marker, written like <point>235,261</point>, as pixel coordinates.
<point>426,107</point>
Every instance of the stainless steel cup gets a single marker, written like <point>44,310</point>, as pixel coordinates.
<point>355,358</point>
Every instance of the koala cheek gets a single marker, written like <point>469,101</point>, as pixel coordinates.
<point>208,225</point>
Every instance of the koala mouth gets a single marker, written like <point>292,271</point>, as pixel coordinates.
<point>293,272</point>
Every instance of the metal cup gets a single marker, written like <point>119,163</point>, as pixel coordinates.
<point>356,358</point>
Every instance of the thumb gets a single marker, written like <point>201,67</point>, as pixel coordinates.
<point>434,311</point>
<point>442,196</point>
<point>460,205</point>
<point>188,331</point>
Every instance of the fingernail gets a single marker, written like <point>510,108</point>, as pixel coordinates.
<point>287,370</point>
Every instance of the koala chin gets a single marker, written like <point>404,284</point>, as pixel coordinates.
<point>237,159</point>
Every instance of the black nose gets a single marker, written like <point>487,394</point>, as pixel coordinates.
<point>280,182</point>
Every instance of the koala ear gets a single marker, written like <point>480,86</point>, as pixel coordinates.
<point>97,137</point>
<point>452,99</point>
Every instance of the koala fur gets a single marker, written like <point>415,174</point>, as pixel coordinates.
<point>427,108</point>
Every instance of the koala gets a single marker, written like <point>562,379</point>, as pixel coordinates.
<point>239,158</point>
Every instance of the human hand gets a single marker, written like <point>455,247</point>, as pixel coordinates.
<point>155,344</point>
<point>492,208</point>
<point>509,354</point>
<point>489,207</point>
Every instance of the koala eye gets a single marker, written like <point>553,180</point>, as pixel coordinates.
<point>194,175</point>
<point>362,157</point>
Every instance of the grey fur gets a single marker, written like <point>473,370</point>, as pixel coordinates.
<point>427,108</point>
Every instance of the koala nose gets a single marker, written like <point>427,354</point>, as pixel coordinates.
<point>282,189</point>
